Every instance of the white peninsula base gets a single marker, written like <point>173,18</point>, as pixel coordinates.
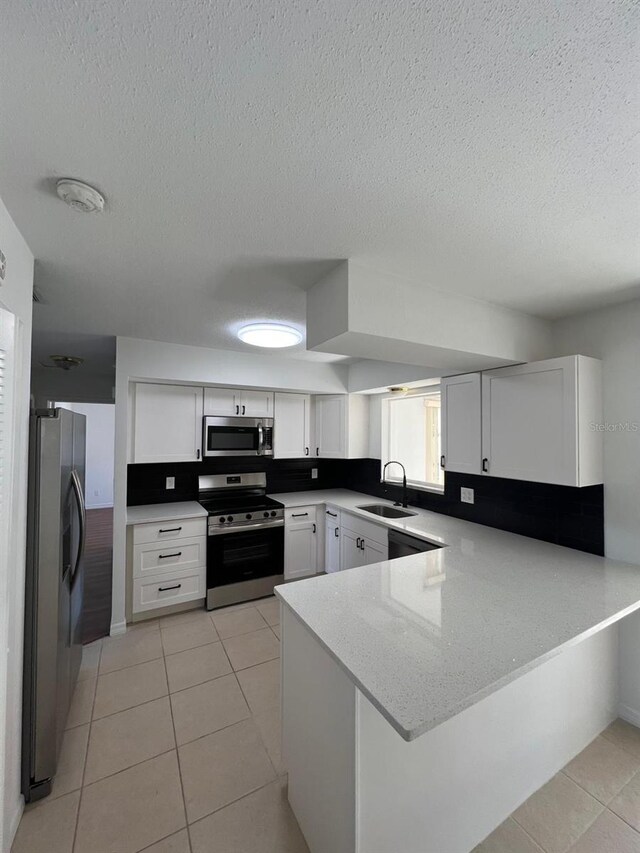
<point>356,786</point>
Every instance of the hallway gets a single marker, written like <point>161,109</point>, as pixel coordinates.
<point>97,574</point>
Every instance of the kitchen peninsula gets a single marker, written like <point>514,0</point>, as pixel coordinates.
<point>413,689</point>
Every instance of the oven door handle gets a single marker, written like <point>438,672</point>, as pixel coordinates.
<point>261,525</point>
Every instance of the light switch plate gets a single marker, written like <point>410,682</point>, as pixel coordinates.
<point>466,496</point>
<point>314,473</point>
<point>170,483</point>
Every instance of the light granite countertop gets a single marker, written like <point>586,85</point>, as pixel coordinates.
<point>155,513</point>
<point>426,636</point>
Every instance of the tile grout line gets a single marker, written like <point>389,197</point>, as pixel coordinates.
<point>175,740</point>
<point>593,796</point>
<point>86,755</point>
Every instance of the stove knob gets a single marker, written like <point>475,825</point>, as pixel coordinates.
<point>222,519</point>
<point>273,513</point>
<point>266,515</point>
<point>230,518</point>
<point>248,516</point>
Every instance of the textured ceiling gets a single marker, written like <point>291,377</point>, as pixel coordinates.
<point>489,148</point>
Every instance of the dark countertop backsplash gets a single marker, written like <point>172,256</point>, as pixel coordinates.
<point>560,514</point>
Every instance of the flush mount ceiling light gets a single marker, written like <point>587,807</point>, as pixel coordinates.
<point>270,335</point>
<point>80,196</point>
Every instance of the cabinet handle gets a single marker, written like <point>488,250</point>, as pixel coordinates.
<point>337,533</point>
<point>358,543</point>
<point>306,451</point>
<point>169,529</point>
<point>332,514</point>
<point>165,588</point>
<point>244,409</point>
<point>442,461</point>
<point>485,464</point>
<point>197,454</point>
<point>314,528</point>
<point>299,514</point>
<point>237,410</point>
<point>317,451</point>
<point>166,556</point>
<point>362,544</point>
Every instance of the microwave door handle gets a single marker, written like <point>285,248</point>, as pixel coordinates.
<point>260,440</point>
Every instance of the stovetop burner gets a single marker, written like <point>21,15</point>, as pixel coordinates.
<point>238,501</point>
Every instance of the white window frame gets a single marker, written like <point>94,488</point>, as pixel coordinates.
<point>394,472</point>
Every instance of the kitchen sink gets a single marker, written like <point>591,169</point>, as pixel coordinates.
<point>386,511</point>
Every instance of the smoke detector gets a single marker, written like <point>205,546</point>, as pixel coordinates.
<point>80,196</point>
<point>64,362</point>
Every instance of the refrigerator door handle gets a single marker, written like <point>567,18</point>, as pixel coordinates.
<point>77,489</point>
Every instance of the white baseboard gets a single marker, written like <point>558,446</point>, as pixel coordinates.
<point>118,628</point>
<point>14,822</point>
<point>629,714</point>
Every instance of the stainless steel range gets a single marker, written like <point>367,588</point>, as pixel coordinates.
<point>245,542</point>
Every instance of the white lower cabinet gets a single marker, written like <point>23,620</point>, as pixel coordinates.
<point>331,539</point>
<point>168,563</point>
<point>362,542</point>
<point>300,542</point>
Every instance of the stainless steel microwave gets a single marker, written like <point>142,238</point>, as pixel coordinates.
<point>237,436</point>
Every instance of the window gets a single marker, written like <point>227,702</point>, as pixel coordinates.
<point>411,435</point>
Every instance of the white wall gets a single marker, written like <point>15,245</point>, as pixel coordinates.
<point>82,387</point>
<point>15,296</point>
<point>613,334</point>
<point>100,451</point>
<point>371,314</point>
<point>156,361</point>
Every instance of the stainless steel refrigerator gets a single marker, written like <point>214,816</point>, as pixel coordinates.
<point>54,590</point>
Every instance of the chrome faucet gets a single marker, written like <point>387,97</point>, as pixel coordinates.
<point>404,481</point>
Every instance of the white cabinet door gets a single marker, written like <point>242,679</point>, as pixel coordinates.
<point>374,552</point>
<point>461,423</point>
<point>167,423</point>
<point>222,401</point>
<point>300,543</point>
<point>529,422</point>
<point>332,540</point>
<point>292,426</point>
<point>331,424</point>
<point>256,404</point>
<point>351,553</point>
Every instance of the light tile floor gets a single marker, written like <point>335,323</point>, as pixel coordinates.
<point>173,746</point>
<point>173,743</point>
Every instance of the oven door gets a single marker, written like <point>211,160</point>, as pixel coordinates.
<point>232,437</point>
<point>244,555</point>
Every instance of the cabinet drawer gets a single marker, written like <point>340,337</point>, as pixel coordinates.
<point>163,590</point>
<point>365,529</point>
<point>179,528</point>
<point>332,514</point>
<point>300,513</point>
<point>174,555</point>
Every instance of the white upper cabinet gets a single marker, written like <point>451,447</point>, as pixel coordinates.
<point>233,402</point>
<point>221,401</point>
<point>342,426</point>
<point>167,423</point>
<point>256,404</point>
<point>539,421</point>
<point>461,430</point>
<point>292,433</point>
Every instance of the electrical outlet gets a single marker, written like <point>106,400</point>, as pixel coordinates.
<point>170,483</point>
<point>314,473</point>
<point>466,496</point>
